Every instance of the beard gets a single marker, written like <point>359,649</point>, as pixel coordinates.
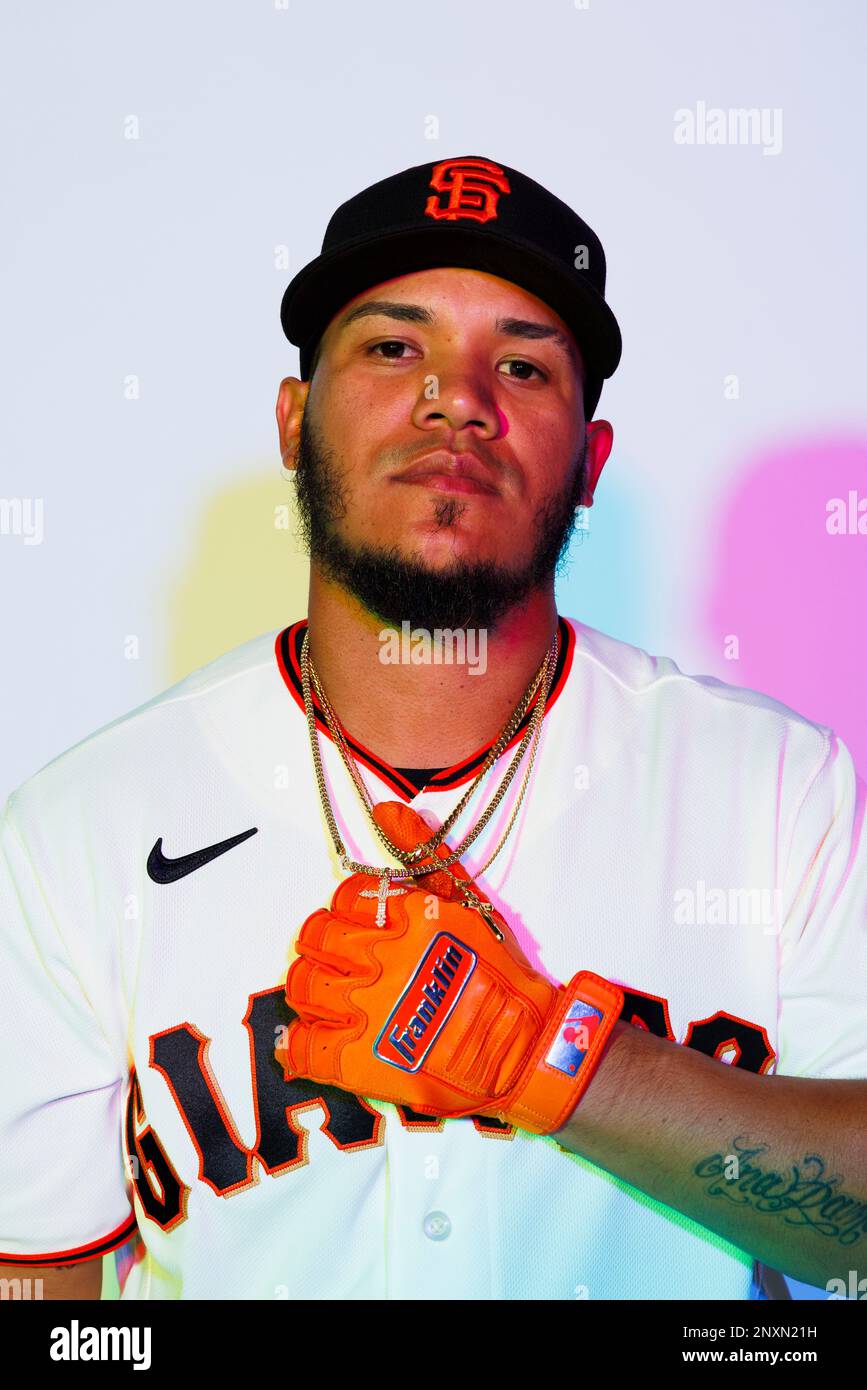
<point>395,588</point>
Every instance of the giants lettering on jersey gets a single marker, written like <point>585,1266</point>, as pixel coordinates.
<point>226,1165</point>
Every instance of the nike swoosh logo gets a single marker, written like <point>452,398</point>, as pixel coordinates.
<point>163,870</point>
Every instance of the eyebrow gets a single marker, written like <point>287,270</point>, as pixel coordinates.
<point>507,327</point>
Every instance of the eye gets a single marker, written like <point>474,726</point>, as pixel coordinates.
<point>520,362</point>
<point>388,343</point>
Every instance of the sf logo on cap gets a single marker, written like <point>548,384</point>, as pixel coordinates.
<point>473,187</point>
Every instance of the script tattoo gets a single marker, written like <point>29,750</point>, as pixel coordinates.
<point>803,1196</point>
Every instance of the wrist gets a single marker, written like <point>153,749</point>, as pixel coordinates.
<point>576,1035</point>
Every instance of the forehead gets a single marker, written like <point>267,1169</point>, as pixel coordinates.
<point>453,284</point>
<point>433,297</point>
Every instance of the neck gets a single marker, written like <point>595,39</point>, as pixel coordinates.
<point>415,713</point>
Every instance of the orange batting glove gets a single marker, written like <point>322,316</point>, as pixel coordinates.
<point>436,1009</point>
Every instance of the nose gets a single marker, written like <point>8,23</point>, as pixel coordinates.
<point>458,395</point>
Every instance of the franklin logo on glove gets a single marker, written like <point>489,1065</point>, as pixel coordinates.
<point>426,1003</point>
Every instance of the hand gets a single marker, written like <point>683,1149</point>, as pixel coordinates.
<point>432,1010</point>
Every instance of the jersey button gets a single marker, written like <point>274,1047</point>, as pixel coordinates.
<point>437,1225</point>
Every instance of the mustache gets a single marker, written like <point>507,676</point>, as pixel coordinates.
<point>394,586</point>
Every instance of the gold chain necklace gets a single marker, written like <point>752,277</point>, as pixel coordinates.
<point>386,873</point>
<point>494,753</point>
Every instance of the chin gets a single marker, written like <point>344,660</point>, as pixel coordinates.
<point>442,557</point>
<point>438,547</point>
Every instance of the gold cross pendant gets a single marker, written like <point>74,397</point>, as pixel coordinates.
<point>471,899</point>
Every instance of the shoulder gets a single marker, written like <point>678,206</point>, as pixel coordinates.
<point>649,692</point>
<point>160,735</point>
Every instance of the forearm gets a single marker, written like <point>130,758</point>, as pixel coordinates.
<point>775,1164</point>
<point>79,1281</point>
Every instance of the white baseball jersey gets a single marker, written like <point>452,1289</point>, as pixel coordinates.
<point>694,841</point>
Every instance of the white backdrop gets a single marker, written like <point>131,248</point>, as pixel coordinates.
<point>168,167</point>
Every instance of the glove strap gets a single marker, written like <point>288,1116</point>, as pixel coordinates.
<point>567,1054</point>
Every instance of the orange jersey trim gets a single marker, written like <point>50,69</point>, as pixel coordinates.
<point>288,652</point>
<point>79,1253</point>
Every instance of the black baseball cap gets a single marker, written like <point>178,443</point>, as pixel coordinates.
<point>469,212</point>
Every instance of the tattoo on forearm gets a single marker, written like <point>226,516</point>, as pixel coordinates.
<point>803,1196</point>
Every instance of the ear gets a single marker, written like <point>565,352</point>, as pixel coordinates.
<point>600,438</point>
<point>291,399</point>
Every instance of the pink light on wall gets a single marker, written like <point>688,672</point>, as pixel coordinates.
<point>793,590</point>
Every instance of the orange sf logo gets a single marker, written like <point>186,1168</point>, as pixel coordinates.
<point>473,187</point>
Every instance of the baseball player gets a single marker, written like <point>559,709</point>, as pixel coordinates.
<point>438,945</point>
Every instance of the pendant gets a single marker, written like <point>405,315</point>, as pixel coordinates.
<point>382,901</point>
<point>382,893</point>
<point>471,899</point>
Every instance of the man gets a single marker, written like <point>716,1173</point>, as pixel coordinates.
<point>259,931</point>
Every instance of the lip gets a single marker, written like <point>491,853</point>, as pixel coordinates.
<point>447,472</point>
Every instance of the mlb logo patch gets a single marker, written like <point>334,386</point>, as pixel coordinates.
<point>575,1038</point>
